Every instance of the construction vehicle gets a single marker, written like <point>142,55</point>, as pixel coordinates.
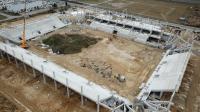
<point>23,41</point>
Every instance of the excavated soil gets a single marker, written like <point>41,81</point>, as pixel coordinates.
<point>6,105</point>
<point>21,92</point>
<point>69,44</point>
<point>188,97</point>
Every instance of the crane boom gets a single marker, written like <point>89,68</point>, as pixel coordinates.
<point>23,41</point>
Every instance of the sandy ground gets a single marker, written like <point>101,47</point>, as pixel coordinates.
<point>133,60</point>
<point>28,94</point>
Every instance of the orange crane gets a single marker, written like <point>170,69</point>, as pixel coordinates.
<point>23,41</point>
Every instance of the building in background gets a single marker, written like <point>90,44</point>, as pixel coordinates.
<point>18,6</point>
<point>3,3</point>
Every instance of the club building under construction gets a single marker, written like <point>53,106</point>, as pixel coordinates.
<point>156,94</point>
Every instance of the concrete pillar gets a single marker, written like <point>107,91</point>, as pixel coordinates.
<point>8,58</point>
<point>82,98</point>
<point>44,78</point>
<point>16,62</point>
<point>124,108</point>
<point>1,54</point>
<point>7,55</point>
<point>55,83</point>
<point>68,91</point>
<point>98,106</point>
<point>161,93</point>
<point>150,32</point>
<point>141,30</point>
<point>34,74</point>
<point>89,15</point>
<point>24,64</point>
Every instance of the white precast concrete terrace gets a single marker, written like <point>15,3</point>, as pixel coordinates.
<point>167,77</point>
<point>169,73</point>
<point>75,82</point>
<point>33,29</point>
<point>129,27</point>
<point>121,31</point>
<point>128,22</point>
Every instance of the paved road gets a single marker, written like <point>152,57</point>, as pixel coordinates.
<point>9,17</point>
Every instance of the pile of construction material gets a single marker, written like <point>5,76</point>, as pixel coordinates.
<point>102,68</point>
<point>99,67</point>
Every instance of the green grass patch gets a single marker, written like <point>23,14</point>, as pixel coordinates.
<point>69,44</point>
<point>2,17</point>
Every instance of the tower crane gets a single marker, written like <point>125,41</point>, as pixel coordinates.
<point>23,41</point>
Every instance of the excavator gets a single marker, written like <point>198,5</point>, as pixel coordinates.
<point>23,40</point>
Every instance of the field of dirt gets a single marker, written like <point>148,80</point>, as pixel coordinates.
<point>6,105</point>
<point>193,99</point>
<point>21,92</point>
<point>158,9</point>
<point>106,62</point>
<point>188,97</point>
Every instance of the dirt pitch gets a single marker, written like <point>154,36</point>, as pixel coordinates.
<point>103,62</point>
<point>158,9</point>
